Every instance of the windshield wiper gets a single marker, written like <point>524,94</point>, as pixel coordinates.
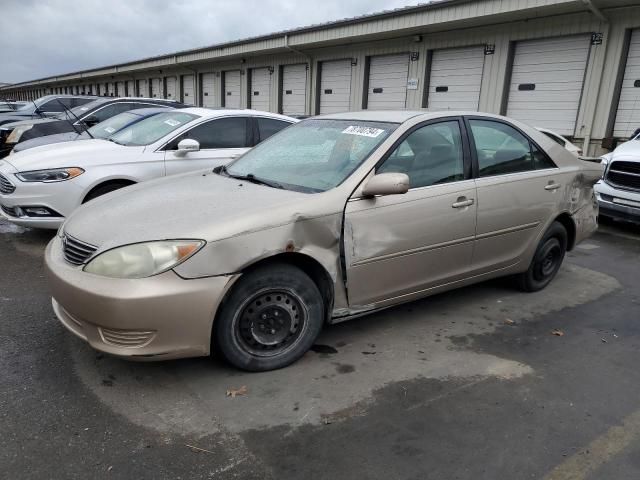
<point>250,177</point>
<point>111,140</point>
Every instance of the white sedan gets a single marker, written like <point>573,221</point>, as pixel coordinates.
<point>560,140</point>
<point>41,186</point>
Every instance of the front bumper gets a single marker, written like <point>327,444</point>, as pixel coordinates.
<point>618,204</point>
<point>154,318</point>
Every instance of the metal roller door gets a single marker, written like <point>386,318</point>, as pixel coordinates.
<point>156,88</point>
<point>143,88</point>
<point>111,89</point>
<point>628,115</point>
<point>208,90</point>
<point>188,90</point>
<point>130,92</point>
<point>120,89</point>
<point>455,79</point>
<point>546,82</point>
<point>388,82</point>
<point>171,84</point>
<point>260,89</point>
<point>231,94</point>
<point>294,89</point>
<point>335,86</point>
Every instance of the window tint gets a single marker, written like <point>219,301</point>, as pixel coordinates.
<point>111,110</point>
<point>541,160</point>
<point>501,149</point>
<point>269,126</point>
<point>430,155</point>
<point>53,106</point>
<point>221,133</point>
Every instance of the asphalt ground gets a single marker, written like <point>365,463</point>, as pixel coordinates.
<point>480,383</point>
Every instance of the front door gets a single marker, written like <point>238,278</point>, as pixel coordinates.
<point>221,140</point>
<point>397,245</point>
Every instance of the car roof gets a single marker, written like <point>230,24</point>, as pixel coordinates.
<point>140,99</point>
<point>401,116</point>
<point>143,112</point>
<point>224,112</point>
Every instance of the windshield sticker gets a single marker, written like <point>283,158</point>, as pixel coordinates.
<point>84,108</point>
<point>363,131</point>
<point>109,129</point>
<point>172,122</point>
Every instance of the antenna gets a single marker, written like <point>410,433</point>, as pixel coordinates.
<point>68,111</point>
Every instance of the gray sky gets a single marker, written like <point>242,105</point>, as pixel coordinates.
<point>40,38</point>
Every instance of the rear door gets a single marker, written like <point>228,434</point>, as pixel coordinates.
<point>398,245</point>
<point>518,188</point>
<point>221,140</point>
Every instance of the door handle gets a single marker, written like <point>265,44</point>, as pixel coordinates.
<point>463,202</point>
<point>552,186</point>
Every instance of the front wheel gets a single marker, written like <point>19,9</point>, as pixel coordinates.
<point>270,319</point>
<point>546,261</point>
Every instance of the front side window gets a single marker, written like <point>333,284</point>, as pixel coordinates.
<point>500,148</point>
<point>152,129</point>
<point>430,155</point>
<point>219,133</point>
<point>53,106</point>
<point>313,155</point>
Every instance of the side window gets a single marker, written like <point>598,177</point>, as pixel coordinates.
<point>111,110</point>
<point>222,133</point>
<point>541,160</point>
<point>52,106</point>
<point>558,140</point>
<point>501,149</point>
<point>269,126</point>
<point>430,155</point>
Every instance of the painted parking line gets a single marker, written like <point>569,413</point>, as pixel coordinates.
<point>600,451</point>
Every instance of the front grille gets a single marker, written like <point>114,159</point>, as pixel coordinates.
<point>624,175</point>
<point>6,186</point>
<point>126,338</point>
<point>75,251</point>
<point>10,211</point>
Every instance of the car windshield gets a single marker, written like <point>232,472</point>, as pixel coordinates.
<point>152,129</point>
<point>312,156</point>
<point>112,125</point>
<point>83,109</point>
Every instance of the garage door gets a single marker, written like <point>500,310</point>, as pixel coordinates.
<point>130,92</point>
<point>294,89</point>
<point>260,90</point>
<point>120,89</point>
<point>455,79</point>
<point>388,82</point>
<point>188,90</point>
<point>111,89</point>
<point>143,88</point>
<point>546,82</point>
<point>628,116</point>
<point>172,88</point>
<point>208,89</point>
<point>231,88</point>
<point>335,86</point>
<point>156,88</point>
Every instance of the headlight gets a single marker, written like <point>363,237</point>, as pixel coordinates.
<point>17,132</point>
<point>50,175</point>
<point>143,259</point>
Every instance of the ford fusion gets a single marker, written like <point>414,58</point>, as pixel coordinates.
<point>334,217</point>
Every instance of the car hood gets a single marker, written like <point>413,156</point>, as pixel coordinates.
<point>12,117</point>
<point>627,149</point>
<point>69,154</point>
<point>49,139</point>
<point>201,205</point>
<point>30,121</point>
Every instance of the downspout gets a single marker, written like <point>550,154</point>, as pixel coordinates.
<point>601,16</point>
<point>309,83</point>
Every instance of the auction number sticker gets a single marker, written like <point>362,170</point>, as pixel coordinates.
<point>363,131</point>
<point>172,122</point>
<point>109,129</point>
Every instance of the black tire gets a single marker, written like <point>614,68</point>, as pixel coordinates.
<point>104,189</point>
<point>270,319</point>
<point>546,261</point>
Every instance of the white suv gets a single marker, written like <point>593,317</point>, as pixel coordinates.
<point>41,186</point>
<point>619,190</point>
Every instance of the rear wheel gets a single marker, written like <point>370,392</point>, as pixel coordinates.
<point>270,319</point>
<point>546,261</point>
<point>104,189</point>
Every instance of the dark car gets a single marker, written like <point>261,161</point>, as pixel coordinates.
<point>77,119</point>
<point>101,130</point>
<point>43,107</point>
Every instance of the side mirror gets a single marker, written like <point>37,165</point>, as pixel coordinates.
<point>386,184</point>
<point>91,120</point>
<point>187,145</point>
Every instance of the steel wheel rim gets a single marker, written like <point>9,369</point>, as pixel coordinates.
<point>548,260</point>
<point>270,322</point>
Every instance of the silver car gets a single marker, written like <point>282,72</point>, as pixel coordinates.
<point>334,217</point>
